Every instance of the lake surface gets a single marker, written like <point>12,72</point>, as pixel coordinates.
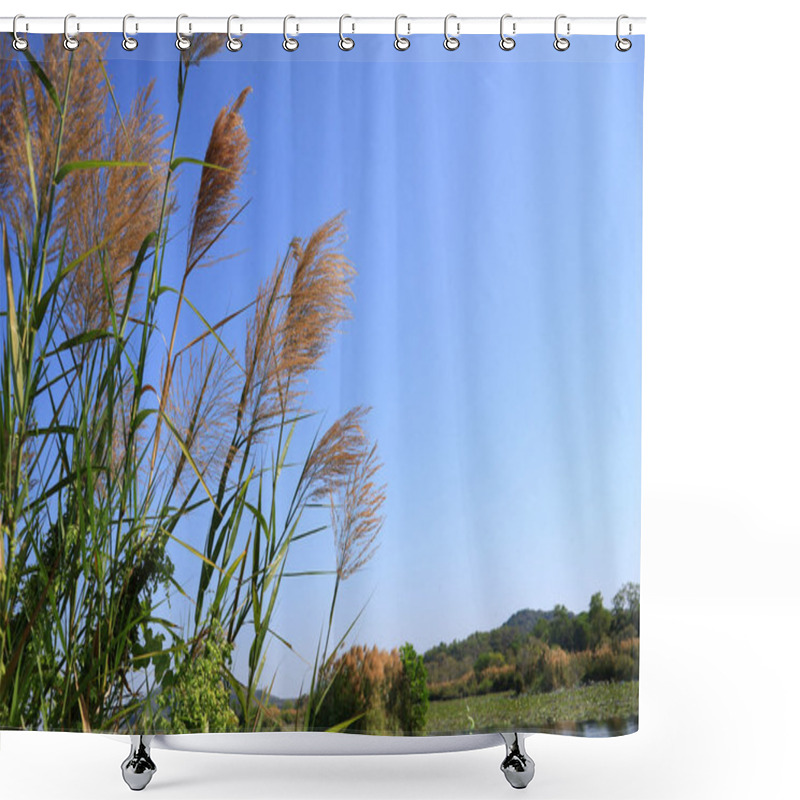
<point>620,726</point>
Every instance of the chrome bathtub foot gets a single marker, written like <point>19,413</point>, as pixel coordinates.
<point>517,766</point>
<point>138,768</point>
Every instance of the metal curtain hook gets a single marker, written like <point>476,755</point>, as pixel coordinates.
<point>181,41</point>
<point>70,42</point>
<point>507,42</point>
<point>290,44</point>
<point>451,42</point>
<point>401,42</point>
<point>345,42</point>
<point>18,42</point>
<point>128,42</point>
<point>233,44</point>
<point>561,43</point>
<point>623,45</point>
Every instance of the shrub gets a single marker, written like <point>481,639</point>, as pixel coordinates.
<point>357,685</point>
<point>554,670</point>
<point>458,687</point>
<point>196,697</point>
<point>527,667</point>
<point>486,660</point>
<point>609,664</point>
<point>496,679</point>
<point>382,692</point>
<point>409,696</point>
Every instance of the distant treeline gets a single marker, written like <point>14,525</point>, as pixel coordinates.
<point>371,690</point>
<point>542,650</point>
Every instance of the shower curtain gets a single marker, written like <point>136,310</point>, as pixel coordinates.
<point>320,385</point>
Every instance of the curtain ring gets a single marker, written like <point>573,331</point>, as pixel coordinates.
<point>181,41</point>
<point>345,42</point>
<point>400,42</point>
<point>507,42</point>
<point>233,44</point>
<point>19,43</point>
<point>128,42</point>
<point>451,42</point>
<point>561,43</point>
<point>623,45</point>
<point>290,44</point>
<point>70,42</point>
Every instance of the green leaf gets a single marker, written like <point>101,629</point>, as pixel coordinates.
<point>67,429</point>
<point>110,88</point>
<point>141,416</point>
<point>189,458</point>
<point>82,338</point>
<point>212,329</point>
<point>346,724</point>
<point>200,163</point>
<point>13,328</point>
<point>40,74</point>
<point>94,164</point>
<point>43,303</point>
<point>191,549</point>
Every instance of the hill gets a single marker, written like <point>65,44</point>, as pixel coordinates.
<point>446,662</point>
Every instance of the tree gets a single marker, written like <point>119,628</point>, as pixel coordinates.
<point>599,620</point>
<point>561,628</point>
<point>358,686</point>
<point>412,697</point>
<point>542,630</point>
<point>486,660</point>
<point>626,609</point>
<point>580,631</point>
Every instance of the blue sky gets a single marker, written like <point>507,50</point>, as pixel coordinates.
<point>494,214</point>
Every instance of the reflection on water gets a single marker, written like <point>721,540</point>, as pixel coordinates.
<point>619,726</point>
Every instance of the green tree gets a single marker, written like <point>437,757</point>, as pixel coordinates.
<point>412,698</point>
<point>486,660</point>
<point>599,620</point>
<point>580,631</point>
<point>562,628</point>
<point>626,610</point>
<point>542,630</point>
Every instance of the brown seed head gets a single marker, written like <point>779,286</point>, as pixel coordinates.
<point>31,124</point>
<point>204,45</point>
<point>295,316</point>
<point>201,408</point>
<point>216,197</point>
<point>115,209</point>
<point>356,517</point>
<point>318,296</point>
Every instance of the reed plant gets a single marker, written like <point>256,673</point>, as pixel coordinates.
<point>100,463</point>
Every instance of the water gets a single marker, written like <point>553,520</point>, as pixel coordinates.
<point>619,726</point>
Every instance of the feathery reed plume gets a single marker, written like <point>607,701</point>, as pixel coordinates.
<point>318,296</point>
<point>295,315</point>
<point>115,208</point>
<point>216,196</point>
<point>204,45</point>
<point>29,142</point>
<point>356,518</point>
<point>259,400</point>
<point>200,407</point>
<point>7,96</point>
<point>337,455</point>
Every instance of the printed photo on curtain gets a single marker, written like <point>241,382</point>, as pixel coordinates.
<point>320,385</point>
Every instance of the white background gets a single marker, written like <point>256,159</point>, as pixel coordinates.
<point>721,450</point>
